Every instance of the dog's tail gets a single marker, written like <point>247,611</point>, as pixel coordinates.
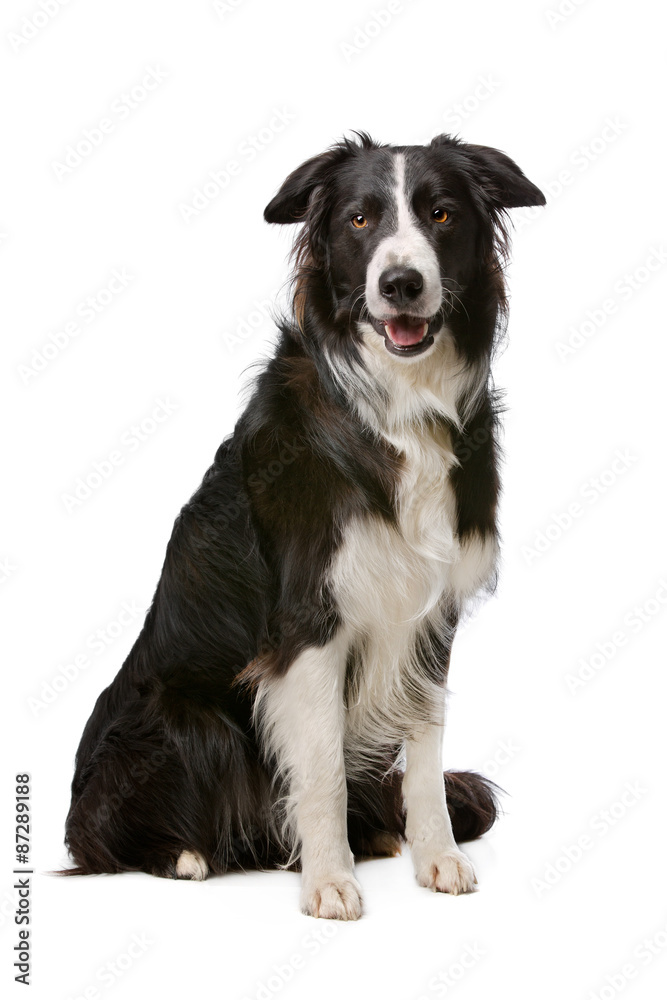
<point>472,801</point>
<point>376,811</point>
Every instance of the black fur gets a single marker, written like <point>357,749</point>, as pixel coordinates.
<point>170,759</point>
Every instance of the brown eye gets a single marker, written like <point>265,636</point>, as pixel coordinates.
<point>439,215</point>
<point>359,221</point>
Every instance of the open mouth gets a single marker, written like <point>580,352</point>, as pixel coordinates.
<point>406,335</point>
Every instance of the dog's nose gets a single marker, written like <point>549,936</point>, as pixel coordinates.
<point>401,285</point>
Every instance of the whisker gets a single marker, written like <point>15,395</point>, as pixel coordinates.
<point>359,295</point>
<point>451,296</point>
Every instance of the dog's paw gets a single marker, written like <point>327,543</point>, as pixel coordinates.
<point>333,898</point>
<point>191,865</point>
<point>445,871</point>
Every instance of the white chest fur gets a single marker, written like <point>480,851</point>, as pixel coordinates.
<point>389,582</point>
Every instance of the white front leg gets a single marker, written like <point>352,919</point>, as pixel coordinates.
<point>302,722</point>
<point>439,865</point>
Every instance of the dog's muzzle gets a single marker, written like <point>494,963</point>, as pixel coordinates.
<point>405,335</point>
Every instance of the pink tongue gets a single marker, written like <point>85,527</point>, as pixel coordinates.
<point>406,334</point>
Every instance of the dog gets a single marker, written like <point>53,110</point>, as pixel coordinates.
<point>283,704</point>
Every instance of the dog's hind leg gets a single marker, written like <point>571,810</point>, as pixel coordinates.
<point>375,813</point>
<point>191,865</point>
<point>172,791</point>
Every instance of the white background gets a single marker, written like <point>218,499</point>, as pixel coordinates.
<point>544,89</point>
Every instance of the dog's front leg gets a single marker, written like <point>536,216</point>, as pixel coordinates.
<point>439,865</point>
<point>302,724</point>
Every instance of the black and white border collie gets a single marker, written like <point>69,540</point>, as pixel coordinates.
<point>284,702</point>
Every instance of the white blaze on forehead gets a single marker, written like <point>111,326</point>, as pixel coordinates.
<point>406,247</point>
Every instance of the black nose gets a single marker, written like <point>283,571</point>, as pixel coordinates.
<point>401,285</point>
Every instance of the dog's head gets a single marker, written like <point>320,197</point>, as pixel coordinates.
<point>397,237</point>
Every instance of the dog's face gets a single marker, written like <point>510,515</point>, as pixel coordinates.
<point>400,231</point>
<point>402,234</point>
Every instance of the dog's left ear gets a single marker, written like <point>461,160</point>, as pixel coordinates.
<point>508,185</point>
<point>502,181</point>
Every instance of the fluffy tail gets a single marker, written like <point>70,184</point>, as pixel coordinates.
<point>472,801</point>
<point>376,812</point>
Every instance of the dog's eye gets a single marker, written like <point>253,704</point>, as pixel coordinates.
<point>359,221</point>
<point>439,215</point>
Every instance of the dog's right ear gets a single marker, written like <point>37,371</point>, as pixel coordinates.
<point>294,198</point>
<point>291,202</point>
